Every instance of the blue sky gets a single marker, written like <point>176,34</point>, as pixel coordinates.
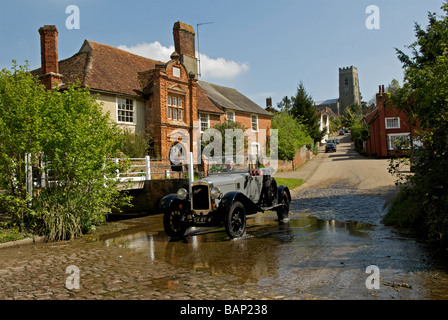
<point>262,48</point>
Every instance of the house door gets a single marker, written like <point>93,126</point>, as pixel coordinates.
<point>178,156</point>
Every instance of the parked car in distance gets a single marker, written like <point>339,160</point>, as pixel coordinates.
<point>346,130</point>
<point>330,147</point>
<point>225,197</point>
<point>342,132</point>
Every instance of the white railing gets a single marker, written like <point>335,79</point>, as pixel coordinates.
<point>160,168</point>
<point>155,167</point>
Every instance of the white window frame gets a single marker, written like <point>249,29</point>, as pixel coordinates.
<point>258,151</point>
<point>232,118</point>
<point>201,121</point>
<point>252,122</point>
<point>175,107</point>
<point>393,136</point>
<point>393,118</point>
<point>119,109</point>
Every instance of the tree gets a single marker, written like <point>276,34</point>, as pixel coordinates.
<point>335,123</point>
<point>236,127</point>
<point>353,114</point>
<point>393,86</point>
<point>286,104</point>
<point>70,140</point>
<point>424,97</point>
<point>292,135</point>
<point>305,111</point>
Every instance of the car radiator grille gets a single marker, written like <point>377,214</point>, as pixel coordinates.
<point>200,197</point>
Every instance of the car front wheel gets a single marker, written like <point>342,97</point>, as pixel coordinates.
<point>235,220</point>
<point>283,209</point>
<point>174,226</point>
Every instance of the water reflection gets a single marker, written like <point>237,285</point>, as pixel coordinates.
<point>266,247</point>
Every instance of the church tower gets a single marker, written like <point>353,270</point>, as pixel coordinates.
<point>348,88</point>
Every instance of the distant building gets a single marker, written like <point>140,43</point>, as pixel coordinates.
<point>387,126</point>
<point>348,88</point>
<point>349,92</point>
<point>333,104</point>
<point>325,115</point>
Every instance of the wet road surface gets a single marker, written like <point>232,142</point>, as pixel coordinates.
<point>334,233</point>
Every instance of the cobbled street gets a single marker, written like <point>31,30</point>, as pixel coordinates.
<point>323,252</point>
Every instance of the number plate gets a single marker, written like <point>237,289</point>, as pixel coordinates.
<point>200,219</point>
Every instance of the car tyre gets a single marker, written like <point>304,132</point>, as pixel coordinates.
<point>235,220</point>
<point>283,209</point>
<point>174,227</point>
<point>270,192</point>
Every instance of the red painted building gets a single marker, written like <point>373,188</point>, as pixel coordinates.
<point>387,126</point>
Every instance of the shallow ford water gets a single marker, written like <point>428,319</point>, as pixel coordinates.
<point>322,252</point>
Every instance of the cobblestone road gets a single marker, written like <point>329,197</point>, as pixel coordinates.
<point>322,253</point>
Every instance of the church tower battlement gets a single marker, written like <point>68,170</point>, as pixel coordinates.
<point>348,87</point>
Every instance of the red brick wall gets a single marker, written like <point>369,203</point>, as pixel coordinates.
<point>377,142</point>
<point>162,129</point>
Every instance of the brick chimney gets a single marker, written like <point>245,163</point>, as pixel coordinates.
<point>49,56</point>
<point>184,38</point>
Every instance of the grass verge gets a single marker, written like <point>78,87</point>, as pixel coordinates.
<point>289,182</point>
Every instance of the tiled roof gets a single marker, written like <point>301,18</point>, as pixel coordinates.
<point>104,68</point>
<point>229,98</point>
<point>329,101</point>
<point>205,104</point>
<point>372,115</point>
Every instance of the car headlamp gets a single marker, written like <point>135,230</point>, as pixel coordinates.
<point>182,194</point>
<point>215,193</point>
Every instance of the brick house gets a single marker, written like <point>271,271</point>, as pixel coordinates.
<point>164,99</point>
<point>388,125</point>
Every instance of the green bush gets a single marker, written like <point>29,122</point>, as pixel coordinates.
<point>292,135</point>
<point>359,134</point>
<point>67,133</point>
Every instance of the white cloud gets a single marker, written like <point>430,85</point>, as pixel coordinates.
<point>221,68</point>
<point>152,50</point>
<point>210,68</point>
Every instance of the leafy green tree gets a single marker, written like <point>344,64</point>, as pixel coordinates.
<point>221,128</point>
<point>136,145</point>
<point>292,135</point>
<point>304,109</point>
<point>393,86</point>
<point>424,97</point>
<point>286,104</point>
<point>335,124</point>
<point>70,141</point>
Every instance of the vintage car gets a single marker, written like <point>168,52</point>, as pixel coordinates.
<point>226,197</point>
